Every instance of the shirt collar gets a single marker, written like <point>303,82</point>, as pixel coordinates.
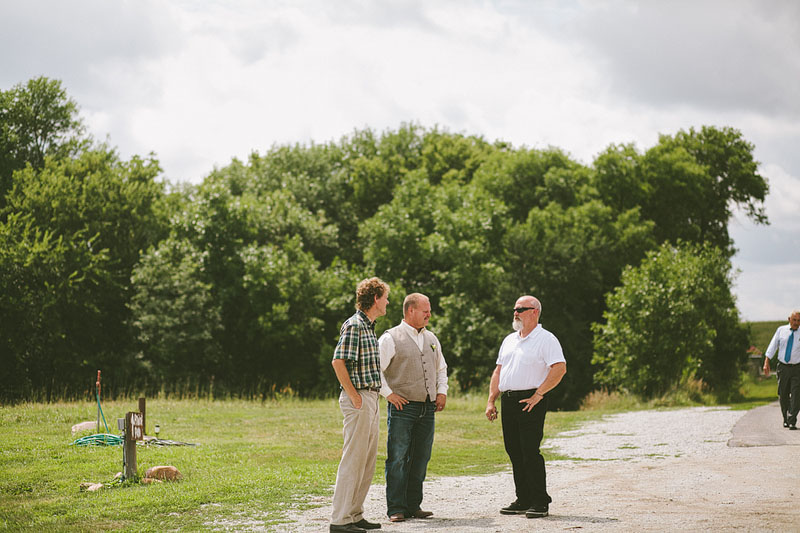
<point>412,329</point>
<point>363,316</point>
<point>529,335</point>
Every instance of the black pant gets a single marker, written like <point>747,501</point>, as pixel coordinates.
<point>789,391</point>
<point>522,435</point>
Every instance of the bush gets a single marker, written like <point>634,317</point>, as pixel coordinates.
<point>673,320</point>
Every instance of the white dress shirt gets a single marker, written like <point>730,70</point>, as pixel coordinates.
<point>778,343</point>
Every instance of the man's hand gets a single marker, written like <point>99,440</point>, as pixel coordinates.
<point>532,401</point>
<point>491,412</point>
<point>397,400</point>
<point>441,399</point>
<point>355,400</point>
<point>766,368</point>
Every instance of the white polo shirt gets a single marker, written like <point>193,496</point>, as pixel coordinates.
<point>525,361</point>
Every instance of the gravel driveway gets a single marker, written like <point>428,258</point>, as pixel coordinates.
<point>696,469</point>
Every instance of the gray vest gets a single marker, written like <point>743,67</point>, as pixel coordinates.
<point>411,373</point>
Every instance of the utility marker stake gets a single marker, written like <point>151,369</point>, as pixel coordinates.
<point>133,432</point>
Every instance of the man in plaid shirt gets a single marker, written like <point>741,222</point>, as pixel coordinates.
<point>357,364</point>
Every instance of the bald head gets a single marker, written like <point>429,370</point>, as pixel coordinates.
<point>527,310</point>
<point>417,310</point>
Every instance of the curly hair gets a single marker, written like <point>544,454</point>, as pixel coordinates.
<point>368,290</point>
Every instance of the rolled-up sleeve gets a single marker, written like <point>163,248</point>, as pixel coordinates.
<point>441,372</point>
<point>387,351</point>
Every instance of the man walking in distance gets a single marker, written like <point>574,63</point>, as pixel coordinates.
<point>415,386</point>
<point>529,365</point>
<point>356,362</point>
<point>786,342</point>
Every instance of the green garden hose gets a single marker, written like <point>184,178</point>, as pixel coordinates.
<point>101,439</point>
<point>97,394</point>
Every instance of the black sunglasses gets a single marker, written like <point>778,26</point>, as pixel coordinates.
<point>523,309</point>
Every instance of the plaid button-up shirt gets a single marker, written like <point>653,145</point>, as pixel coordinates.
<point>358,346</point>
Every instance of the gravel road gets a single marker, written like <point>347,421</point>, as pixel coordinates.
<point>696,469</point>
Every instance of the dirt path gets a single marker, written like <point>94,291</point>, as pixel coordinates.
<point>699,469</point>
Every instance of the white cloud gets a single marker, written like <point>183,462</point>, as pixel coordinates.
<point>726,55</point>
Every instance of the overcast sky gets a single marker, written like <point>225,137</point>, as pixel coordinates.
<point>201,82</point>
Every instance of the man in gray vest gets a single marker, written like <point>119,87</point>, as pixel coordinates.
<point>414,382</point>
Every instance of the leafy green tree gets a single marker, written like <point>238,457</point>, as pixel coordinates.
<point>343,183</point>
<point>518,177</point>
<point>285,291</point>
<point>672,318</point>
<point>442,240</point>
<point>44,311</point>
<point>618,178</point>
<point>448,157</point>
<point>567,187</point>
<point>75,229</point>
<point>37,119</point>
<point>249,260</point>
<point>246,287</point>
<point>688,184</point>
<point>175,319</point>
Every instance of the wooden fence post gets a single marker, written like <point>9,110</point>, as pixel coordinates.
<point>133,432</point>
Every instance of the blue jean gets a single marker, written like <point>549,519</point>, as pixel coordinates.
<point>408,450</point>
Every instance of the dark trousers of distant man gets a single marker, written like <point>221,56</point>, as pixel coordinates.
<point>522,435</point>
<point>789,391</point>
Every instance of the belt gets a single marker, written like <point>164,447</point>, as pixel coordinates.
<point>518,393</point>
<point>788,364</point>
<point>373,389</point>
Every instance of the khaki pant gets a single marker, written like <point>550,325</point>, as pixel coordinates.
<point>359,453</point>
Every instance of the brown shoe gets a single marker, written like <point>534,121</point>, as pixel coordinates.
<point>397,517</point>
<point>419,513</point>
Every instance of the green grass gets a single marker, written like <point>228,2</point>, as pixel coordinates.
<point>757,391</point>
<point>253,461</point>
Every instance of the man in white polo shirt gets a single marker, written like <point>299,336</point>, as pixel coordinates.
<point>530,364</point>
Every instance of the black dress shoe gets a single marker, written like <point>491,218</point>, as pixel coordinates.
<point>786,424</point>
<point>515,508</point>
<point>363,523</point>
<point>347,528</point>
<point>537,511</point>
<point>793,426</point>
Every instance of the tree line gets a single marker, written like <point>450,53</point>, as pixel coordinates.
<point>237,286</point>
